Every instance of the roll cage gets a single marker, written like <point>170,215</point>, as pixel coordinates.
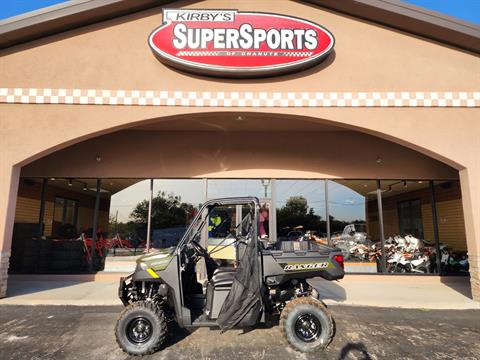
<point>201,218</point>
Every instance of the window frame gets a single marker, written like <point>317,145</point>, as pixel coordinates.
<point>421,232</point>
<point>64,209</point>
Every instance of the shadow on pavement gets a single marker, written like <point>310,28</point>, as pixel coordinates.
<point>357,350</point>
<point>177,334</point>
<point>25,287</point>
<point>329,290</point>
<point>460,284</point>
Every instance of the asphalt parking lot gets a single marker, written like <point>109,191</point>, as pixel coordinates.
<point>69,332</point>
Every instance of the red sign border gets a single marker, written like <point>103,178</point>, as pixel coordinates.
<point>235,72</point>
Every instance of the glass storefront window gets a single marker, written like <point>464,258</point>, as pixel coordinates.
<point>128,212</point>
<point>65,211</point>
<point>219,188</point>
<point>451,228</point>
<point>293,210</point>
<point>58,209</point>
<point>354,223</point>
<point>410,217</point>
<point>69,208</point>
<point>64,215</point>
<point>408,226</point>
<point>66,208</point>
<point>175,204</point>
<point>70,212</point>
<point>300,214</point>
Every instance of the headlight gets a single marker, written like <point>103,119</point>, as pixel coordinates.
<point>143,266</point>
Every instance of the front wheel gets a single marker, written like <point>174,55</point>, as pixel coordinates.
<point>307,324</point>
<point>141,328</point>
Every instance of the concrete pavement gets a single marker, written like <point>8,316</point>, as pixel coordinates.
<point>430,292</point>
<point>410,292</point>
<point>77,333</point>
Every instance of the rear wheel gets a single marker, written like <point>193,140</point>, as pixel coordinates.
<point>422,269</point>
<point>399,268</point>
<point>141,328</point>
<point>307,324</point>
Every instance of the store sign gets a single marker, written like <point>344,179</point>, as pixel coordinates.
<point>232,43</point>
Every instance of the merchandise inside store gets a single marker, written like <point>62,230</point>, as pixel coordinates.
<point>393,226</point>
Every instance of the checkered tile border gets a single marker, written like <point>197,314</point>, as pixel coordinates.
<point>239,99</point>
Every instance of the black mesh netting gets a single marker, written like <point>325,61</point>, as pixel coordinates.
<point>243,303</point>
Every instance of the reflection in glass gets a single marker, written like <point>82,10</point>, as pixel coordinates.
<point>128,212</point>
<point>175,203</point>
<point>221,188</point>
<point>64,216</point>
<point>408,226</point>
<point>65,207</point>
<point>451,228</point>
<point>354,223</point>
<point>300,213</point>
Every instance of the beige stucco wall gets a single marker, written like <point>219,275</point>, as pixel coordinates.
<point>114,55</point>
<point>240,154</point>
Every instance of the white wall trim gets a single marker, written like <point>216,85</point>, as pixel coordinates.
<point>239,99</point>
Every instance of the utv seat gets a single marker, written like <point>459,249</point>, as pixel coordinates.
<point>217,290</point>
<point>223,269</point>
<point>222,277</point>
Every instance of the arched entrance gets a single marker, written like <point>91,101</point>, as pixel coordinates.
<point>315,178</point>
<point>255,147</point>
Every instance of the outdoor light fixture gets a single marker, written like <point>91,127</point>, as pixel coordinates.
<point>85,187</point>
<point>70,183</point>
<point>405,184</point>
<point>52,179</point>
<point>240,118</point>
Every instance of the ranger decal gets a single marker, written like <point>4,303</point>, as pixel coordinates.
<point>305,266</point>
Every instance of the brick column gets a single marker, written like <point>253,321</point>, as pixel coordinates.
<point>469,179</point>
<point>474,261</point>
<point>4,263</point>
<point>9,178</point>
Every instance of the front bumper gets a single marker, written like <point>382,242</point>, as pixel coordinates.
<point>123,288</point>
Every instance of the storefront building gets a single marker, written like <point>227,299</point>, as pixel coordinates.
<point>370,143</point>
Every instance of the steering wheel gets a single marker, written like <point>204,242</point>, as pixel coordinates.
<point>199,250</point>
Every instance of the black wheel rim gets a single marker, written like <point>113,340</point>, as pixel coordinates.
<point>308,327</point>
<point>139,330</point>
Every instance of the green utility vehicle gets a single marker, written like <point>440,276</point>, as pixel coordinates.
<point>167,286</point>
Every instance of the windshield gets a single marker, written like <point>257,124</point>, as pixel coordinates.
<point>221,225</point>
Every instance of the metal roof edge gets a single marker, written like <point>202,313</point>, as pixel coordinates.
<point>412,19</point>
<point>390,13</point>
<point>66,16</point>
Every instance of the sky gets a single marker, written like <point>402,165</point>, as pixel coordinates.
<point>9,8</point>
<point>468,10</point>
